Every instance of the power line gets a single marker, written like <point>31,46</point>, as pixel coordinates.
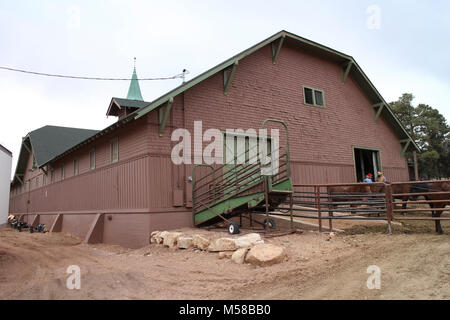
<point>178,76</point>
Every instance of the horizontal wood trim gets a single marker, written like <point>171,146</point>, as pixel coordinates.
<point>115,211</point>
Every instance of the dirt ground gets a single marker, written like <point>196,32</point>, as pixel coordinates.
<point>414,263</point>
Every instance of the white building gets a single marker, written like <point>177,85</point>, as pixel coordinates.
<point>5,181</point>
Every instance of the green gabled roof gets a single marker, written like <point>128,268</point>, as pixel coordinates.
<point>118,103</point>
<point>48,142</point>
<point>315,48</point>
<point>134,91</point>
<point>131,103</point>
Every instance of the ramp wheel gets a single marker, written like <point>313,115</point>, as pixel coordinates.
<point>233,228</point>
<point>270,222</point>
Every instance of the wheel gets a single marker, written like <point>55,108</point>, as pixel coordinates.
<point>270,222</point>
<point>233,228</point>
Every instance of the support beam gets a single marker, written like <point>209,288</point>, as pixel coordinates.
<point>376,105</point>
<point>377,115</point>
<point>406,147</point>
<point>162,125</point>
<point>25,145</point>
<point>35,221</point>
<point>95,233</point>
<point>18,176</point>
<point>347,71</point>
<point>227,79</point>
<point>416,166</point>
<point>57,224</point>
<point>276,52</point>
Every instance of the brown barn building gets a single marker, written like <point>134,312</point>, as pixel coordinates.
<point>119,184</point>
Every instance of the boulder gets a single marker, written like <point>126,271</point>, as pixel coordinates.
<point>153,236</point>
<point>239,255</point>
<point>159,237</point>
<point>185,242</point>
<point>248,240</point>
<point>225,254</point>
<point>170,239</point>
<point>201,242</point>
<point>222,244</point>
<point>265,255</point>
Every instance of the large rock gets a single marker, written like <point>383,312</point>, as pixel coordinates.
<point>222,244</point>
<point>239,255</point>
<point>185,242</point>
<point>170,239</point>
<point>265,255</point>
<point>225,254</point>
<point>158,237</point>
<point>248,240</point>
<point>201,242</point>
<point>153,236</point>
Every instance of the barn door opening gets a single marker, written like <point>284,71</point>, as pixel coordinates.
<point>238,154</point>
<point>366,161</point>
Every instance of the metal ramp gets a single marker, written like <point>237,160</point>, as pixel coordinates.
<point>220,192</point>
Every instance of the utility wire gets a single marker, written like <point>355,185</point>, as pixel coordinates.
<point>178,76</point>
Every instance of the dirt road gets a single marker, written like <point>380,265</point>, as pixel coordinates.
<point>414,263</point>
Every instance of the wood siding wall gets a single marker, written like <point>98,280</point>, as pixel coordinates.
<point>138,192</point>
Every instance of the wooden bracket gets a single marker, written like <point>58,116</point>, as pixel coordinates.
<point>377,115</point>
<point>227,79</point>
<point>35,221</point>
<point>95,233</point>
<point>163,123</point>
<point>347,71</point>
<point>57,224</point>
<point>405,148</point>
<point>20,179</point>
<point>276,52</point>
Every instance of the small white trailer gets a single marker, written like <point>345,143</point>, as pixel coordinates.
<point>5,181</point>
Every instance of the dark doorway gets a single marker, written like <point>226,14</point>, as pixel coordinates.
<point>366,161</point>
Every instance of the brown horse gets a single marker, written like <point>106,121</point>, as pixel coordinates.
<point>338,193</point>
<point>441,186</point>
<point>438,186</point>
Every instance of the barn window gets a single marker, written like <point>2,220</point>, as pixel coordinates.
<point>92,159</point>
<point>44,178</point>
<point>114,150</point>
<point>37,182</point>
<point>313,97</point>
<point>52,176</point>
<point>63,172</point>
<point>75,166</point>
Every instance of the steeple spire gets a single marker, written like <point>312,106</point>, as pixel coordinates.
<point>134,91</point>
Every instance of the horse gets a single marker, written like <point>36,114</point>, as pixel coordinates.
<point>429,187</point>
<point>440,186</point>
<point>336,193</point>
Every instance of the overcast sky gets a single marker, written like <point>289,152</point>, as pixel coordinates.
<point>403,46</point>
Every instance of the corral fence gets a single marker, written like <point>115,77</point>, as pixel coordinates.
<point>368,201</point>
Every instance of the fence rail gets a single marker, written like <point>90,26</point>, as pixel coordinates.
<point>358,201</point>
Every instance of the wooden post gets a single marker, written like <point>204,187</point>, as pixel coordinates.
<point>292,213</point>
<point>330,207</point>
<point>389,205</point>
<point>416,166</point>
<point>319,211</point>
<point>266,191</point>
